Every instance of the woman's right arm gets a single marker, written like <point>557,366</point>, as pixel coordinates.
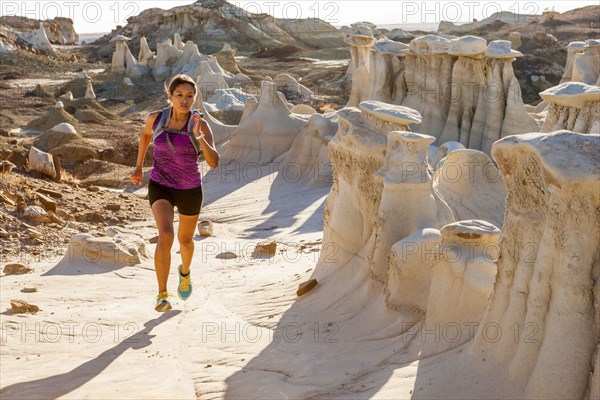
<point>145,139</point>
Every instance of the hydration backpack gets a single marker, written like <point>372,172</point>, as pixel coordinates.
<point>165,116</point>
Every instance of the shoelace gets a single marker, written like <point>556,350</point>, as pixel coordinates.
<point>163,296</point>
<point>185,283</point>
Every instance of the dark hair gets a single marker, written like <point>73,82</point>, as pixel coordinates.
<point>180,80</point>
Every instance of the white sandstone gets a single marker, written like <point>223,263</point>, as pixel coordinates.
<point>41,162</point>
<point>267,133</point>
<point>501,49</point>
<point>468,46</point>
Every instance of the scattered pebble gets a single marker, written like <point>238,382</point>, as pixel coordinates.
<point>22,307</point>
<point>266,248</point>
<point>205,228</point>
<point>16,269</point>
<point>306,287</point>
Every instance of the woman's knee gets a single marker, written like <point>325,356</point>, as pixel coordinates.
<point>166,236</point>
<point>186,240</point>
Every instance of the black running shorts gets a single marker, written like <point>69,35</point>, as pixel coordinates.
<point>188,202</point>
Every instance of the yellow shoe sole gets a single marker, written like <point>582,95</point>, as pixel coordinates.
<point>163,306</point>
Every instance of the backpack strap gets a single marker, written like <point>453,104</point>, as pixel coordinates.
<point>190,132</point>
<point>165,116</point>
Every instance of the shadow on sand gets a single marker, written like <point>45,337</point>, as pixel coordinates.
<point>59,385</point>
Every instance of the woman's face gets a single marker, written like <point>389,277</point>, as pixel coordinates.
<point>183,97</point>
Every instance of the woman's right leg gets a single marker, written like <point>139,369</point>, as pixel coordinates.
<point>163,215</point>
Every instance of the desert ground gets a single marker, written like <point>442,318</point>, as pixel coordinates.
<point>361,238</point>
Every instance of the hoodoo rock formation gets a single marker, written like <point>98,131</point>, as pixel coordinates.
<point>465,89</point>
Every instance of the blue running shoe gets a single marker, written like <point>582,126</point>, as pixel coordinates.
<point>184,290</point>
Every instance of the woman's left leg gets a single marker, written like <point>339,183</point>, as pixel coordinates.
<point>185,236</point>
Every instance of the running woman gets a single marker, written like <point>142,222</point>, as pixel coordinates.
<point>175,180</point>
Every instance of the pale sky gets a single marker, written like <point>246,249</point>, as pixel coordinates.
<point>104,15</point>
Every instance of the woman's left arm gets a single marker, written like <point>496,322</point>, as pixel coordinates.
<point>206,141</point>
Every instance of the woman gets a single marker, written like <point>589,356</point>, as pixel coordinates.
<point>175,180</point>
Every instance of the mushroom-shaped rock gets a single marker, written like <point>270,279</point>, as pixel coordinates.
<point>571,94</point>
<point>574,106</point>
<point>387,46</point>
<point>119,38</point>
<point>501,49</point>
<point>389,117</point>
<point>360,35</point>
<point>586,66</point>
<point>122,61</point>
<point>404,149</point>
<point>386,69</point>
<point>361,39</point>
<point>468,46</point>
<point>429,44</point>
<point>573,49</point>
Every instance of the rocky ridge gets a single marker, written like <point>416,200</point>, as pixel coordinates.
<point>210,23</point>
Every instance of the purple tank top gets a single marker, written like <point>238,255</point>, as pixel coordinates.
<point>179,170</point>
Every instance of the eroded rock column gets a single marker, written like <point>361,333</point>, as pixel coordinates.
<point>461,283</point>
<point>361,39</point>
<point>547,285</point>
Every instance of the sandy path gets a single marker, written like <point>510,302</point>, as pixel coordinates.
<point>243,334</point>
<point>97,334</point>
